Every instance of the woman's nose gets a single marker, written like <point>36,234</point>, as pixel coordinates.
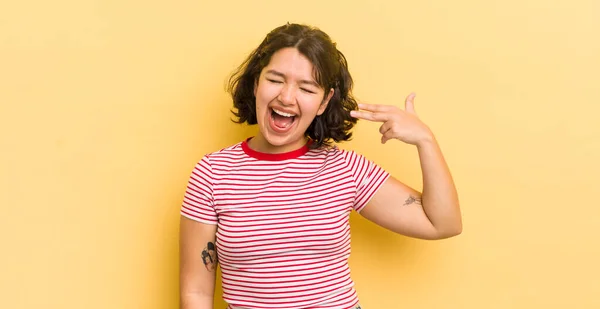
<point>286,96</point>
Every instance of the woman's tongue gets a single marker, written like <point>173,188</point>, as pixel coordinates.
<point>282,122</point>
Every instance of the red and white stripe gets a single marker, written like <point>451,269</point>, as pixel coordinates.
<point>283,237</point>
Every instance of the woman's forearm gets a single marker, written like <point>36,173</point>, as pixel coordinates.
<point>439,196</point>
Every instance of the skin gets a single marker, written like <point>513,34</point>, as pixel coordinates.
<point>432,214</point>
<point>287,83</point>
<point>197,278</point>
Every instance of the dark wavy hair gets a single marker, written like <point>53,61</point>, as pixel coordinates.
<point>331,71</point>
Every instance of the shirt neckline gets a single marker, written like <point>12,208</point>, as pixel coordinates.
<point>274,156</point>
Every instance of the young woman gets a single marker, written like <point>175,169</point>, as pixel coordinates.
<point>273,210</point>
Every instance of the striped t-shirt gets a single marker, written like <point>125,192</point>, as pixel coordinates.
<point>283,236</point>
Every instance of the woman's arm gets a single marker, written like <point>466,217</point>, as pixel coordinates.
<point>198,264</point>
<point>435,213</point>
<point>439,198</point>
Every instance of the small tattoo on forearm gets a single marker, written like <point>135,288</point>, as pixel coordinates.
<point>209,256</point>
<point>412,200</point>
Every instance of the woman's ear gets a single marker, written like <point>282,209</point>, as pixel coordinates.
<point>325,102</point>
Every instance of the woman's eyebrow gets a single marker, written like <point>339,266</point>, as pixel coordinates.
<point>275,73</point>
<point>304,81</point>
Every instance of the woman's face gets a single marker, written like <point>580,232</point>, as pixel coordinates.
<point>288,98</point>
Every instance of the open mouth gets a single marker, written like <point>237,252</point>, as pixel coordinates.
<point>281,120</point>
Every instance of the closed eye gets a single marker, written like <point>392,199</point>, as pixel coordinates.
<point>274,81</point>
<point>307,90</point>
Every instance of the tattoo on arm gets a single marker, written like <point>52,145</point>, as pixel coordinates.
<point>412,200</point>
<point>209,257</point>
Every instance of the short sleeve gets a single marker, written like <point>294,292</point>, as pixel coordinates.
<point>198,202</point>
<point>368,178</point>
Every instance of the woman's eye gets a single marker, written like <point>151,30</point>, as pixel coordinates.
<point>307,90</point>
<point>274,81</point>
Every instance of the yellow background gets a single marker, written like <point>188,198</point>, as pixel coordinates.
<point>107,105</point>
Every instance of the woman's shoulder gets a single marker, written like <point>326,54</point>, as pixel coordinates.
<point>335,151</point>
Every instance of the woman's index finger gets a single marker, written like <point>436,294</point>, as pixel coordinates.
<point>371,116</point>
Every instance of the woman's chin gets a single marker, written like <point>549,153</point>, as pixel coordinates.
<point>274,142</point>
